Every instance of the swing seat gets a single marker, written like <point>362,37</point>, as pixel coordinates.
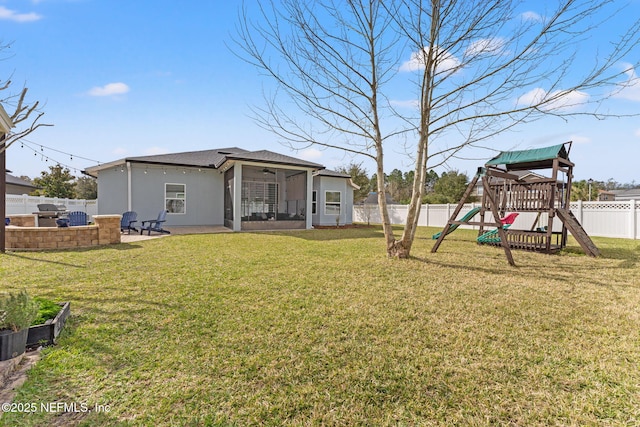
<point>509,219</point>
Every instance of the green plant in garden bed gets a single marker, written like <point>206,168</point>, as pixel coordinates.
<point>47,310</point>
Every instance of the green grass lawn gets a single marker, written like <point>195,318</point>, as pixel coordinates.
<point>320,328</point>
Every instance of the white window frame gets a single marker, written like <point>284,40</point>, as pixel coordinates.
<point>179,195</point>
<point>314,202</point>
<point>338,203</point>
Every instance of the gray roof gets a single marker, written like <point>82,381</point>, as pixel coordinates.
<point>265,156</point>
<point>210,159</point>
<point>328,172</point>
<point>372,199</point>
<point>630,194</point>
<point>14,180</point>
<point>204,158</point>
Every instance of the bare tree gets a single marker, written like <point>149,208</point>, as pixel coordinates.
<point>24,116</point>
<point>480,68</point>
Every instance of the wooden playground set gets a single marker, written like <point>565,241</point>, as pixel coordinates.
<point>504,191</point>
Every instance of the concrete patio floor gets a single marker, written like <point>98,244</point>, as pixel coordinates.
<point>175,230</point>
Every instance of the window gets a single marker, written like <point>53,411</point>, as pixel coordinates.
<point>174,198</point>
<point>332,203</point>
<point>314,202</point>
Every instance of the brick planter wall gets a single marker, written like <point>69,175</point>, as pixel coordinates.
<point>105,231</point>
<point>23,220</point>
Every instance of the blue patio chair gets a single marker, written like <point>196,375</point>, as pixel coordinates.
<point>126,223</point>
<point>155,224</point>
<point>77,218</point>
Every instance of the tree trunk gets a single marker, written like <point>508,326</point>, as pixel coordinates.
<point>382,204</point>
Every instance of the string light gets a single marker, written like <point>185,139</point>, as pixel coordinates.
<point>25,143</point>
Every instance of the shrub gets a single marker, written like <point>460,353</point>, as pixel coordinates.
<point>17,311</point>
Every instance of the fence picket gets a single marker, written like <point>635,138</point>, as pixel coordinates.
<point>619,219</point>
<point>17,204</point>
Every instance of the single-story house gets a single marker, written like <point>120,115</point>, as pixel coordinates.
<point>625,195</point>
<point>372,199</point>
<point>523,175</point>
<point>240,189</point>
<point>17,185</point>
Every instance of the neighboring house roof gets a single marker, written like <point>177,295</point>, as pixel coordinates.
<point>215,159</point>
<point>524,175</point>
<point>631,194</point>
<point>372,199</point>
<point>18,182</point>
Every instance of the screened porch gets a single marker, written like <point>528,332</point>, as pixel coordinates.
<point>271,198</point>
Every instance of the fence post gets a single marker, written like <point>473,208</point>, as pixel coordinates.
<point>580,213</point>
<point>426,213</point>
<point>633,219</point>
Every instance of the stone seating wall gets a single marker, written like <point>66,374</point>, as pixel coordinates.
<point>22,234</point>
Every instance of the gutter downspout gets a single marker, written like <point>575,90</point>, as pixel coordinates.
<point>129,186</point>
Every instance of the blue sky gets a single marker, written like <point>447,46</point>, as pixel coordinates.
<point>132,78</point>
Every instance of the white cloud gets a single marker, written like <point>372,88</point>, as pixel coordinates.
<point>630,90</point>
<point>310,154</point>
<point>109,89</point>
<point>578,139</point>
<point>531,16</point>
<point>446,61</point>
<point>412,103</point>
<point>120,151</point>
<point>12,15</point>
<point>491,46</point>
<point>637,132</point>
<point>565,101</point>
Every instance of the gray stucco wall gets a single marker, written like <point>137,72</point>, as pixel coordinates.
<point>112,192</point>
<point>204,195</point>
<point>322,184</point>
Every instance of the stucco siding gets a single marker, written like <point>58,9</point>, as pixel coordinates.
<point>324,216</point>
<point>203,193</point>
<point>112,192</point>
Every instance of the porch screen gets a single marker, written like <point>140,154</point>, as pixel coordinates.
<point>259,199</point>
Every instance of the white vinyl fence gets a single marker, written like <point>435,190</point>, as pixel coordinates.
<point>24,204</point>
<point>605,219</point>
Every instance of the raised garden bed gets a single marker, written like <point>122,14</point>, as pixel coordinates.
<point>11,344</point>
<point>47,333</point>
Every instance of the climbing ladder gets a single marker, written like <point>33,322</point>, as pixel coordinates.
<point>578,233</point>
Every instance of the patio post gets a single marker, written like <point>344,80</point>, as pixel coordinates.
<point>3,190</point>
<point>5,126</point>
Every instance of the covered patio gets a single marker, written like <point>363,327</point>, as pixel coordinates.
<point>271,197</point>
